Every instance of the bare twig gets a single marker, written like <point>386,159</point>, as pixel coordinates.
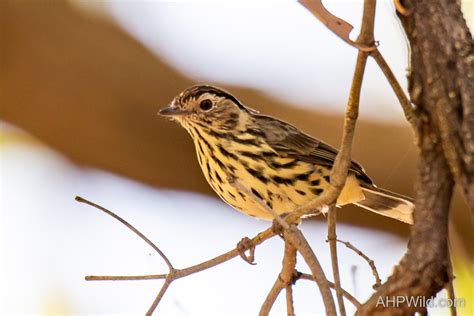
<point>340,27</point>
<point>450,286</point>
<point>284,279</point>
<point>160,295</point>
<point>294,239</point>
<point>331,218</point>
<point>129,226</point>
<point>343,160</point>
<point>173,273</point>
<point>347,295</point>
<point>407,106</point>
<point>180,273</point>
<point>366,258</point>
<point>169,279</point>
<point>290,308</point>
<point>271,298</point>
<point>294,236</point>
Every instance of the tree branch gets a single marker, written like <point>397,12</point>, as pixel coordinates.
<point>290,308</point>
<point>295,238</point>
<point>331,218</point>
<point>407,107</point>
<point>366,258</point>
<point>439,85</point>
<point>129,226</point>
<point>173,273</point>
<point>337,25</point>
<point>347,295</point>
<point>283,281</point>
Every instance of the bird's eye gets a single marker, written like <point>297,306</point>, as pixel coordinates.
<point>205,105</point>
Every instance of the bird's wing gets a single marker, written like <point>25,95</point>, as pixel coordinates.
<point>289,141</point>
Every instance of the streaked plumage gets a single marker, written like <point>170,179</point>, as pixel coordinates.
<point>280,164</point>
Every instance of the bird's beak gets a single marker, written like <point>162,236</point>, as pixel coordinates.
<point>172,111</point>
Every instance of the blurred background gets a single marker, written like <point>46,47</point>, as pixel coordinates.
<point>81,83</point>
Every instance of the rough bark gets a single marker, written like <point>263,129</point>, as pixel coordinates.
<point>441,87</point>
<point>442,81</point>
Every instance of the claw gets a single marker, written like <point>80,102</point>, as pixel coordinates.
<point>244,245</point>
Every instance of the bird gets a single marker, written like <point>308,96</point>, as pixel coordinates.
<point>274,161</point>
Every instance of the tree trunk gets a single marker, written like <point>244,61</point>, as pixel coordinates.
<point>442,90</point>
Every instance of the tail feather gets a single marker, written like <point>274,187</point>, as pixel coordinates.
<point>387,203</point>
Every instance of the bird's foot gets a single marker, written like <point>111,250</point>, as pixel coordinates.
<point>246,244</point>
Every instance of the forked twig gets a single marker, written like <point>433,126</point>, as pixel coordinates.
<point>291,234</point>
<point>342,29</point>
<point>173,273</point>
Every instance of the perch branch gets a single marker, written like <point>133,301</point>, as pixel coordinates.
<point>343,159</point>
<point>291,234</point>
<point>173,274</point>
<point>294,236</point>
<point>180,273</point>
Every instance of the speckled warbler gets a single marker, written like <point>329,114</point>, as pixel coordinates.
<point>277,162</point>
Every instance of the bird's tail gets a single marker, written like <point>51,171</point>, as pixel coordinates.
<point>387,203</point>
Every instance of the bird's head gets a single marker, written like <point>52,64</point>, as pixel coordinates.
<point>207,107</point>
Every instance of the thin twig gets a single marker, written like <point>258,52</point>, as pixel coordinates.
<point>180,273</point>
<point>173,273</point>
<point>407,106</point>
<point>290,308</point>
<point>343,158</point>
<point>337,25</point>
<point>331,218</point>
<point>366,258</point>
<point>283,281</point>
<point>271,298</point>
<point>347,295</point>
<point>129,226</point>
<point>160,295</point>
<point>450,286</point>
<point>297,240</point>
<point>292,235</point>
